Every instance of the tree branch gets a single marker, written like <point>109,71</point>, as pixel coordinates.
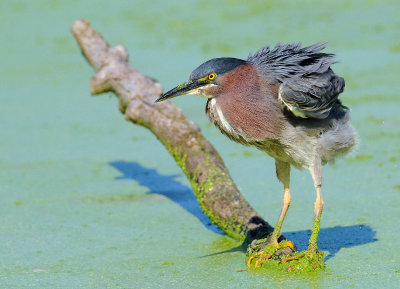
<point>212,184</point>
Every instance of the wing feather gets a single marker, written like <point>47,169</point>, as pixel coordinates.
<point>311,95</point>
<point>308,86</point>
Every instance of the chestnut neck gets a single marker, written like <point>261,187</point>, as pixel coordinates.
<point>248,103</point>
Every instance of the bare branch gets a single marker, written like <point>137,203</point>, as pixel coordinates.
<point>212,184</point>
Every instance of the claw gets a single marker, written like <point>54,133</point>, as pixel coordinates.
<point>284,260</point>
<point>252,257</point>
<point>267,256</point>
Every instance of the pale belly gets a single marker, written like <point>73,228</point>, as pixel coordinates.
<point>300,146</point>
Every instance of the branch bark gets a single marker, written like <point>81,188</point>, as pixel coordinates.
<point>212,184</point>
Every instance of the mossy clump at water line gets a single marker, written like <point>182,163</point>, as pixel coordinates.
<point>305,261</point>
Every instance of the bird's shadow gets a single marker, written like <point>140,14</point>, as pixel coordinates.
<point>335,238</point>
<point>330,239</point>
<point>165,185</point>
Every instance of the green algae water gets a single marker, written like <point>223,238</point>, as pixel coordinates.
<point>91,201</point>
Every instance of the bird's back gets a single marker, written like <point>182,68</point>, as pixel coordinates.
<point>307,85</point>
<point>291,60</point>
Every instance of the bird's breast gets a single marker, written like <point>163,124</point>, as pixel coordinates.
<point>247,111</point>
<point>217,115</point>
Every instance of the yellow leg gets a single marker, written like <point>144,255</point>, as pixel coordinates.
<point>283,174</point>
<point>316,172</point>
<point>285,206</point>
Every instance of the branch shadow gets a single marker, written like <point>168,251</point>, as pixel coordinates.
<point>167,186</point>
<point>330,239</point>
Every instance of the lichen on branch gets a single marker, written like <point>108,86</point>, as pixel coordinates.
<point>212,184</point>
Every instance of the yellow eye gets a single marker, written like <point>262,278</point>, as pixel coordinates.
<point>211,76</point>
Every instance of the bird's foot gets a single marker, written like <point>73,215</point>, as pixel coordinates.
<point>308,260</point>
<point>270,251</point>
<point>285,257</point>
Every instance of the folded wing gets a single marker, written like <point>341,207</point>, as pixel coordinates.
<point>311,95</point>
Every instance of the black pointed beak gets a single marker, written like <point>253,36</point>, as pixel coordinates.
<point>183,88</point>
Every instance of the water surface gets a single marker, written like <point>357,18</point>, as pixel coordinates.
<point>91,201</point>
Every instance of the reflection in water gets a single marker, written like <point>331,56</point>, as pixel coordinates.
<point>330,239</point>
<point>164,185</point>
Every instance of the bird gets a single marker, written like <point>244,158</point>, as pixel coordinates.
<point>284,101</point>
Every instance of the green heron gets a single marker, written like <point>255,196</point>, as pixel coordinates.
<point>284,101</point>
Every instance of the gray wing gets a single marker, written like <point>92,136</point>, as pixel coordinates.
<point>311,95</point>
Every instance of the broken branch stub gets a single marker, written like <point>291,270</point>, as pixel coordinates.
<point>212,184</point>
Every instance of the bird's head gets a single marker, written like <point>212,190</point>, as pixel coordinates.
<point>207,80</point>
